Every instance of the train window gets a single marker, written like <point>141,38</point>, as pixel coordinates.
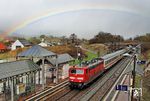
<point>77,71</point>
<point>73,71</point>
<point>94,66</point>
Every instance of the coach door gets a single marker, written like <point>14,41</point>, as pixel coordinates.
<point>91,72</point>
<point>87,74</point>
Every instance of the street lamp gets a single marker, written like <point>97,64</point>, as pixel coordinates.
<point>133,74</point>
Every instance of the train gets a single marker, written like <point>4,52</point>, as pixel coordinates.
<point>84,73</point>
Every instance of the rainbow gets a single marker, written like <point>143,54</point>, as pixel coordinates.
<point>52,12</point>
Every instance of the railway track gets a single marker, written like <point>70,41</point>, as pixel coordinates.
<point>95,92</point>
<point>48,91</point>
<point>101,89</point>
<point>103,84</point>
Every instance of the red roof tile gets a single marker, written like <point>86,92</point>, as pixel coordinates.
<point>2,46</point>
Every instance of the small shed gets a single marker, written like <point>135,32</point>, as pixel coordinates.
<point>37,52</point>
<point>3,48</point>
<point>63,61</point>
<point>63,64</point>
<point>20,44</point>
<point>17,76</point>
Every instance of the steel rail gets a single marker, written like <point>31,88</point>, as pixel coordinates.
<point>108,76</point>
<point>47,91</point>
<point>55,90</point>
<point>74,95</point>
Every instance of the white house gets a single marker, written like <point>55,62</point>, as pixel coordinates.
<point>45,43</point>
<point>20,44</point>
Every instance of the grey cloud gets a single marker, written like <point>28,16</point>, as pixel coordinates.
<point>128,23</point>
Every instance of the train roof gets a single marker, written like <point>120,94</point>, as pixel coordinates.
<point>112,55</point>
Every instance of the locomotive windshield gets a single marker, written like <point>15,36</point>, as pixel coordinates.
<point>76,71</point>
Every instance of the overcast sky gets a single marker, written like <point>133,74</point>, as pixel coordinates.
<point>83,17</point>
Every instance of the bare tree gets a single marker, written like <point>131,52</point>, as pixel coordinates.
<point>73,38</point>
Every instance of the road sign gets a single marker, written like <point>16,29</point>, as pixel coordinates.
<point>122,87</point>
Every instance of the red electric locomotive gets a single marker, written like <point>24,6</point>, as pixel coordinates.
<point>81,75</point>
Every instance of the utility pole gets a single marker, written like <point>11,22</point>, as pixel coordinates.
<point>77,49</point>
<point>57,70</point>
<point>133,74</point>
<point>77,52</point>
<point>12,89</point>
<point>43,73</point>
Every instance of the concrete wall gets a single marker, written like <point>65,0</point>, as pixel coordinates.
<point>65,71</point>
<point>1,87</point>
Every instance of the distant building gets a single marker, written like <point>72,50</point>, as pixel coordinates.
<point>3,48</point>
<point>45,43</point>
<point>20,44</point>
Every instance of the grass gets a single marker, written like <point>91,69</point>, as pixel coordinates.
<point>146,88</point>
<point>138,81</point>
<point>4,56</point>
<point>146,79</point>
<point>146,94</point>
<point>101,48</point>
<point>12,54</point>
<point>90,56</point>
<point>93,47</point>
<point>62,49</point>
<point>75,62</point>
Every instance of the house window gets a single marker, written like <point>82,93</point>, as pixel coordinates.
<point>18,47</point>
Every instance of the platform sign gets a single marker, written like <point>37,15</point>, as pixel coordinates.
<point>141,62</point>
<point>122,87</point>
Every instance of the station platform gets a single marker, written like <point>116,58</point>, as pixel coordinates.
<point>124,95</point>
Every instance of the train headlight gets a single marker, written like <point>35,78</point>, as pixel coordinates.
<point>80,78</point>
<point>72,77</point>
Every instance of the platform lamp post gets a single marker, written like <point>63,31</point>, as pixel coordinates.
<point>140,91</point>
<point>12,90</point>
<point>57,69</point>
<point>133,74</point>
<point>43,72</point>
<point>77,46</point>
<point>77,51</point>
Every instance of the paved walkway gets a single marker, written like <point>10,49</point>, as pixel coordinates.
<point>2,97</point>
<point>123,96</point>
